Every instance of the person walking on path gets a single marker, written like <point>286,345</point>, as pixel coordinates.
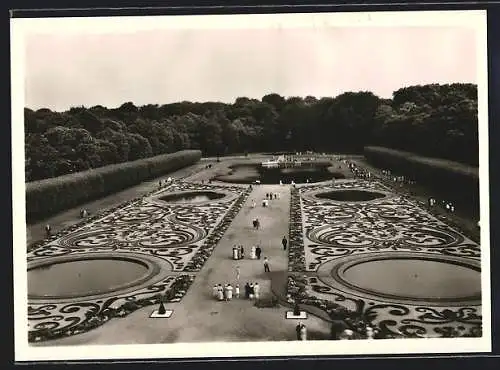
<point>266,265</point>
<point>247,290</point>
<point>238,273</point>
<point>303,332</point>
<point>237,291</point>
<point>258,252</point>
<point>284,242</point>
<point>229,292</point>
<point>252,291</point>
<point>48,230</point>
<point>256,290</point>
<point>297,329</point>
<point>215,291</point>
<point>220,293</point>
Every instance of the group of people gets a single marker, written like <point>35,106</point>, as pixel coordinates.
<point>449,206</point>
<point>398,179</point>
<point>238,252</point>
<point>269,196</point>
<point>165,182</point>
<point>225,293</point>
<point>358,172</point>
<point>252,290</point>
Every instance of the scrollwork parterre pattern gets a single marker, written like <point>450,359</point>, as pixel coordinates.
<point>51,320</point>
<point>335,230</point>
<point>183,234</point>
<point>174,232</point>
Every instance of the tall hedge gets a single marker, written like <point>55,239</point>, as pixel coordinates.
<point>451,180</point>
<point>48,196</point>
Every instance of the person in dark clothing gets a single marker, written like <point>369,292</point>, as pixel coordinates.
<point>258,252</point>
<point>298,329</point>
<point>266,265</point>
<point>284,242</point>
<point>247,291</point>
<point>47,230</point>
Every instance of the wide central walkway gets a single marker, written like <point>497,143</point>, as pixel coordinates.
<point>201,318</point>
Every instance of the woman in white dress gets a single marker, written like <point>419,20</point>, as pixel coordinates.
<point>237,291</point>
<point>215,291</point>
<point>220,293</point>
<point>252,252</point>
<point>370,334</point>
<point>256,289</point>
<point>229,292</point>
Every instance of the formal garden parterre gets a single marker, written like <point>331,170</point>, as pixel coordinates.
<point>335,237</point>
<point>172,239</point>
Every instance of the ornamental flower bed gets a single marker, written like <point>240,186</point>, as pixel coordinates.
<point>94,319</point>
<point>297,290</point>
<point>101,214</point>
<point>296,255</point>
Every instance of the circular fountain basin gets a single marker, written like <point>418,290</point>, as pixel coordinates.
<point>192,197</point>
<point>79,277</point>
<point>425,279</point>
<point>249,173</point>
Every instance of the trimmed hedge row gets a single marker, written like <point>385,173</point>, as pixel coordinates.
<point>454,181</point>
<point>48,196</point>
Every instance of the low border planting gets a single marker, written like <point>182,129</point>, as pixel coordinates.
<point>296,254</point>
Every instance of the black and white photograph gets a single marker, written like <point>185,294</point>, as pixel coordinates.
<point>250,185</point>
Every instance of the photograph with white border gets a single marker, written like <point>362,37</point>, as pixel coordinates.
<point>250,185</point>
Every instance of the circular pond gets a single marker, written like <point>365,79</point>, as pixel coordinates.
<point>421,279</point>
<point>249,173</point>
<point>192,197</point>
<point>350,195</point>
<point>84,277</point>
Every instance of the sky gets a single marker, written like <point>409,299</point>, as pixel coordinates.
<point>170,65</point>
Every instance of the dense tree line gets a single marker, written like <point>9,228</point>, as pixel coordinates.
<point>433,120</point>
